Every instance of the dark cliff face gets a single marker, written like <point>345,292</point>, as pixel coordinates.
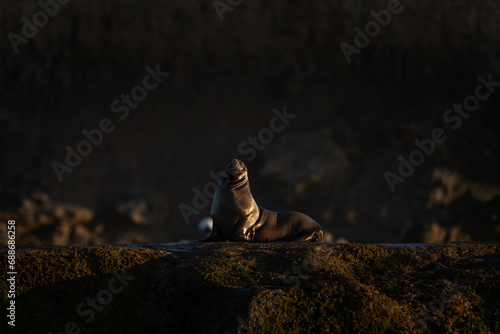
<point>258,288</point>
<point>353,119</point>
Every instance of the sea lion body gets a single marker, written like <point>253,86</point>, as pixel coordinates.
<point>237,217</point>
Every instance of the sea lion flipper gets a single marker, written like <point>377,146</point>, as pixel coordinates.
<point>315,236</point>
<point>242,232</point>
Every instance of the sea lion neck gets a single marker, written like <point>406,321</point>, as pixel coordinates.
<point>240,180</point>
<point>228,179</point>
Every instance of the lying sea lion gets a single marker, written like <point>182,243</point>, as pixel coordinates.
<point>237,217</point>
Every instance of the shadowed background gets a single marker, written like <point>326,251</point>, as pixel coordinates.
<point>353,120</point>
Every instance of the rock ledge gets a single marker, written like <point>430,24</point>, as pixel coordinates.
<point>258,288</point>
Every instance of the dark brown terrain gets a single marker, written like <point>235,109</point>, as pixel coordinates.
<point>260,288</point>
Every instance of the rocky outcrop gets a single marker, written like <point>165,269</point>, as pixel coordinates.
<point>42,220</point>
<point>258,288</point>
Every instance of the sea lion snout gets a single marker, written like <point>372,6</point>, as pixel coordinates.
<point>234,166</point>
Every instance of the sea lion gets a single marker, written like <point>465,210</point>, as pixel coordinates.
<point>237,217</point>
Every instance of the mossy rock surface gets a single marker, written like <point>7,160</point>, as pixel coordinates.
<point>257,288</point>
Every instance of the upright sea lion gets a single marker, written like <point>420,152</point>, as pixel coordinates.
<point>237,217</point>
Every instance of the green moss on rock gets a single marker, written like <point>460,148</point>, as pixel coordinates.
<point>260,288</point>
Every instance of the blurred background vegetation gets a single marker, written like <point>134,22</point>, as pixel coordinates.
<point>353,120</point>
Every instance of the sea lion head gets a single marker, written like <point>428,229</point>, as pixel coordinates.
<point>235,169</point>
